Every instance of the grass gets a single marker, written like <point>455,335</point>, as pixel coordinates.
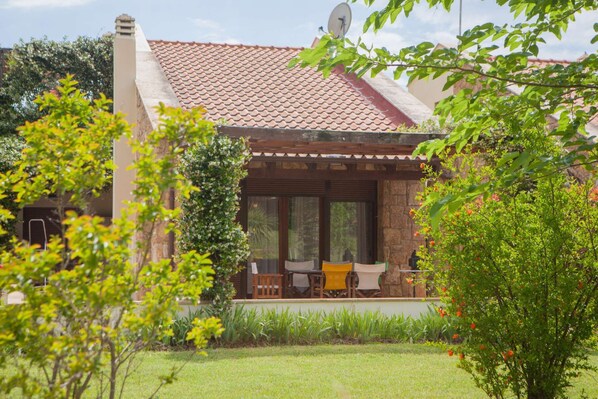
<point>324,371</point>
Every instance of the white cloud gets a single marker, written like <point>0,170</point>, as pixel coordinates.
<point>430,16</point>
<point>231,40</point>
<point>212,31</point>
<point>575,41</point>
<point>308,27</point>
<point>387,38</point>
<point>393,42</point>
<point>42,3</point>
<point>206,24</point>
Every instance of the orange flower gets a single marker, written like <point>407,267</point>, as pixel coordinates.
<point>450,352</point>
<point>432,243</point>
<point>461,356</point>
<point>593,196</point>
<point>416,234</point>
<point>469,211</point>
<point>472,325</point>
<point>409,281</point>
<point>459,313</point>
<point>510,353</point>
<point>422,165</point>
<point>455,336</point>
<point>482,347</point>
<point>412,212</point>
<point>443,289</point>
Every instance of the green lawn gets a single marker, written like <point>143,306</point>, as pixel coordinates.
<point>340,371</point>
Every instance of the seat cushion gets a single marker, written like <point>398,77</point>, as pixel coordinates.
<point>336,275</point>
<point>368,275</point>
<point>299,280</point>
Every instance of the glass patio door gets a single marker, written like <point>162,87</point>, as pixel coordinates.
<point>263,235</point>
<point>351,232</point>
<point>301,229</point>
<point>304,229</point>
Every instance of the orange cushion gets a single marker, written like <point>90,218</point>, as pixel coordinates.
<point>336,275</point>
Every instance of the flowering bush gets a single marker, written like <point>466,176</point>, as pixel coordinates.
<point>209,216</point>
<point>519,274</point>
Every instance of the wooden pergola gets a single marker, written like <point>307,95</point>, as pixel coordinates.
<point>336,155</point>
<point>328,165</point>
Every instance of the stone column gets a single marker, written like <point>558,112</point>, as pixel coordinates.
<point>396,228</point>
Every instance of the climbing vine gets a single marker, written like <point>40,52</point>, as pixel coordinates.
<point>209,216</point>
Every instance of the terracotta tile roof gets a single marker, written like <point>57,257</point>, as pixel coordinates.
<point>292,156</point>
<point>251,86</point>
<point>542,63</point>
<point>546,62</point>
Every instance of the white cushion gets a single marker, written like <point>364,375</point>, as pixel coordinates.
<point>368,275</point>
<point>300,280</point>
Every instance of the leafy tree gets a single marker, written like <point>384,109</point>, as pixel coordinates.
<point>10,152</point>
<point>36,66</point>
<point>518,273</point>
<point>489,62</point>
<point>79,324</point>
<point>209,216</point>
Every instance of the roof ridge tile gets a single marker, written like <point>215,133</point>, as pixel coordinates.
<point>214,44</point>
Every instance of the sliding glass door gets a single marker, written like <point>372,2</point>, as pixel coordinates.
<point>304,229</point>
<point>308,228</point>
<point>263,234</point>
<point>351,232</point>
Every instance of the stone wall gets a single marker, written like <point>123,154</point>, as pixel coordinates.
<point>159,240</point>
<point>396,230</point>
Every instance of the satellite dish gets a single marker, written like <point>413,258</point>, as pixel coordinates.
<point>340,20</point>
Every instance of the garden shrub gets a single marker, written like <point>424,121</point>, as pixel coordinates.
<point>209,223</point>
<point>518,272</point>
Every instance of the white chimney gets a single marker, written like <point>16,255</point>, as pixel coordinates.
<point>125,101</point>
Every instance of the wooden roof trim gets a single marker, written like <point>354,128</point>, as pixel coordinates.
<point>260,134</point>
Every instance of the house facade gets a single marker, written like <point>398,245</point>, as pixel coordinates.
<point>331,175</point>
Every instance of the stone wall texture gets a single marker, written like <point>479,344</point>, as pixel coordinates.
<point>396,230</point>
<point>159,240</point>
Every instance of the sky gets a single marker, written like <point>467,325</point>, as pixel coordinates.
<point>262,22</point>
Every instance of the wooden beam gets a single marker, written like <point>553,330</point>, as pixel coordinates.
<point>343,160</point>
<point>328,136</point>
<point>303,174</point>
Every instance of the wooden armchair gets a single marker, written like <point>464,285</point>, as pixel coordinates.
<point>265,286</point>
